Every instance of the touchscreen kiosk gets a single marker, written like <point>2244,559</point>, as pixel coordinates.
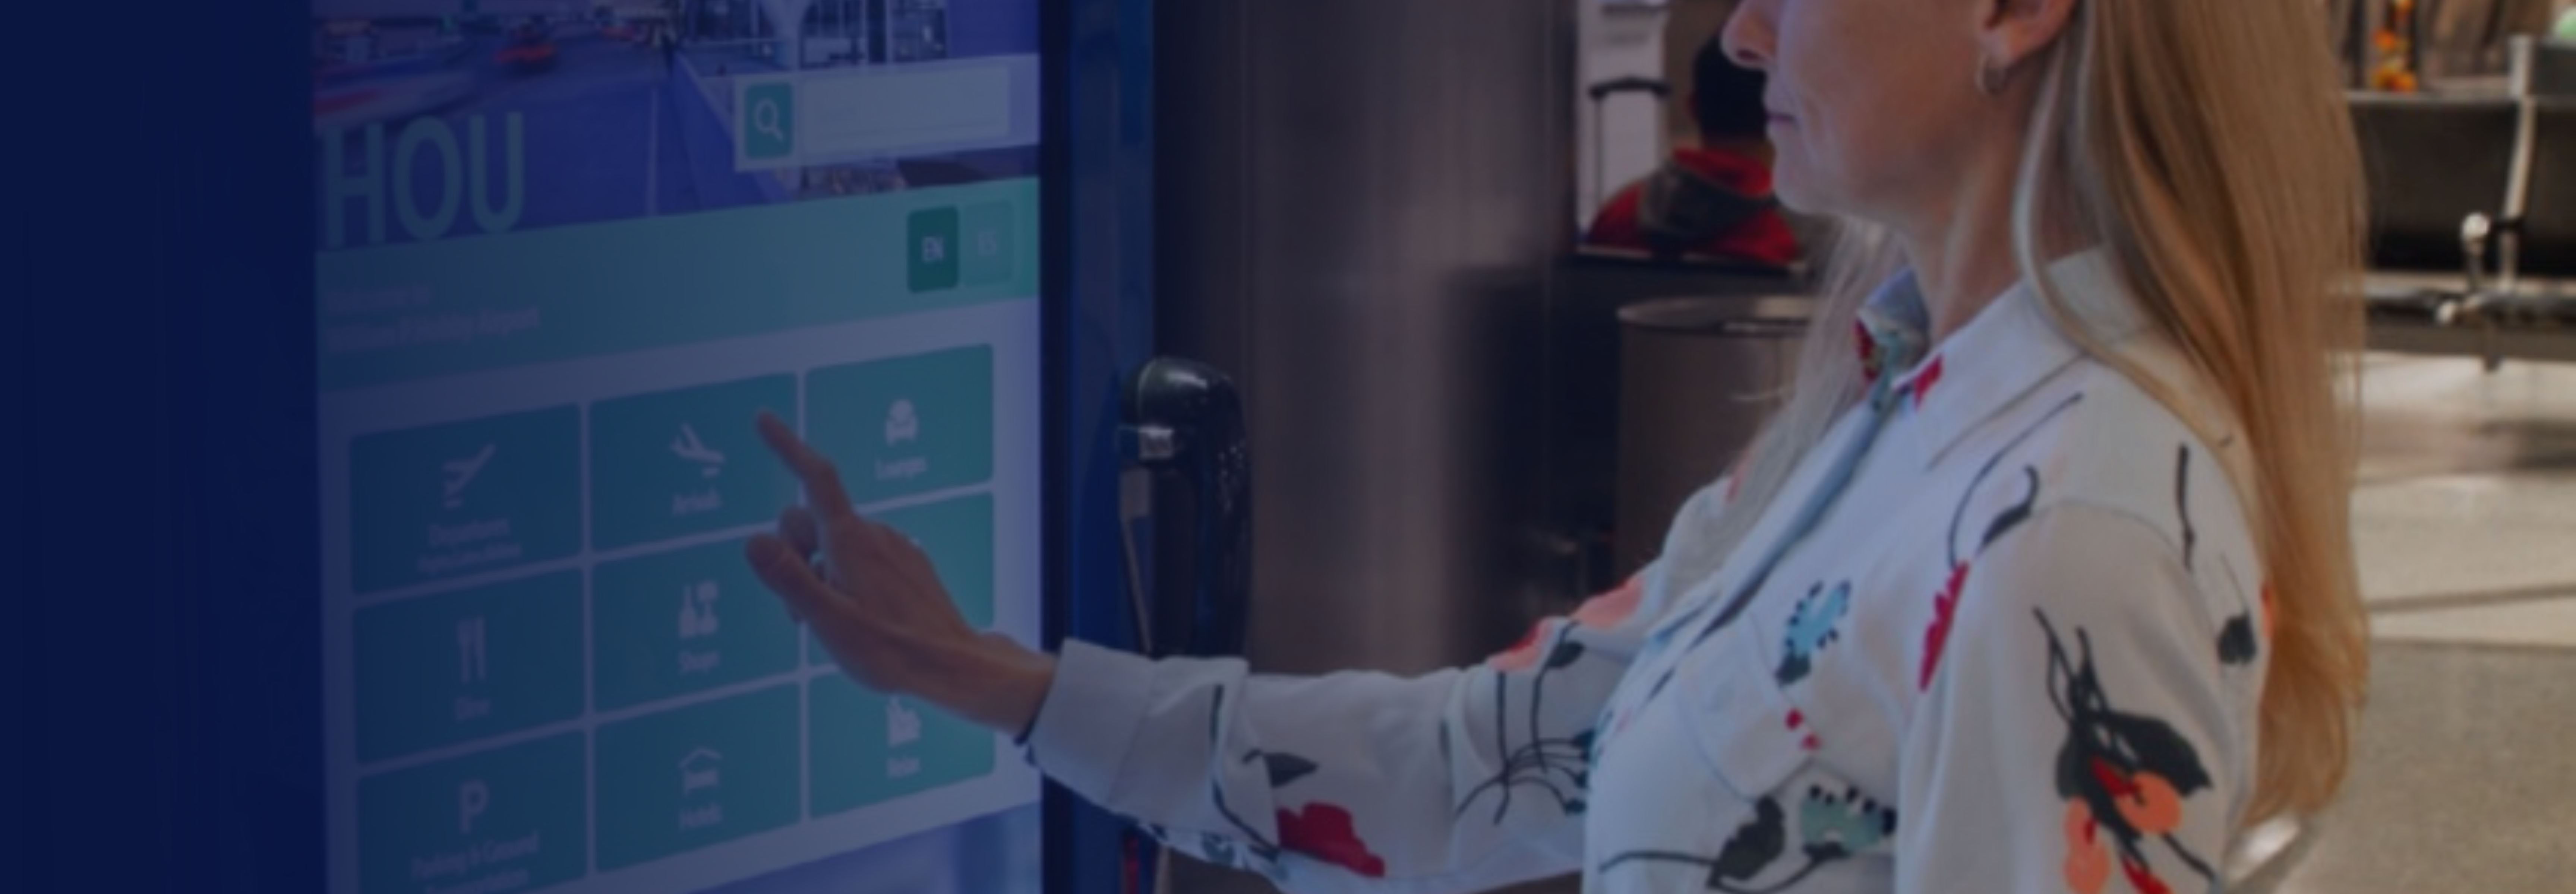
<point>565,250</point>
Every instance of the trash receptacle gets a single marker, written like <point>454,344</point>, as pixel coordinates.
<point>1697,378</point>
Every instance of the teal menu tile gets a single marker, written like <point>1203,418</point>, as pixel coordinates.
<point>510,819</point>
<point>464,498</point>
<point>930,263</point>
<point>869,748</point>
<point>685,462</point>
<point>454,667</point>
<point>674,781</point>
<point>684,621</point>
<point>957,535</point>
<point>986,236</point>
<point>905,425</point>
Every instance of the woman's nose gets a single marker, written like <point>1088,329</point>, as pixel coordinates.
<point>1748,34</point>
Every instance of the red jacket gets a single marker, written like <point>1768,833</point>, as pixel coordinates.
<point>1702,202</point>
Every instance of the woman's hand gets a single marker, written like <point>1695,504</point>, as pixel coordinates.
<point>876,603</point>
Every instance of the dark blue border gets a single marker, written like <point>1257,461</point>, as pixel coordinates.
<point>1098,217</point>
<point>163,729</point>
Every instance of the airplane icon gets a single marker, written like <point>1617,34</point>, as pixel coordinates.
<point>461,472</point>
<point>688,446</point>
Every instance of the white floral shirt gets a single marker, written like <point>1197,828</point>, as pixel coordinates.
<point>2016,649</point>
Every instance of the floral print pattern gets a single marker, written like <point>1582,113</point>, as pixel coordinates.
<point>1601,612</point>
<point>2022,652</point>
<point>1324,831</point>
<point>2122,774</point>
<point>1811,629</point>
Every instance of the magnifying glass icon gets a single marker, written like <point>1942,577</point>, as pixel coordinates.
<point>764,120</point>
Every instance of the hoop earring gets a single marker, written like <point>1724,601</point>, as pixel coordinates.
<point>1991,78</point>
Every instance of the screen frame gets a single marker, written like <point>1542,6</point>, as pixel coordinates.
<point>1096,296</point>
<point>1095,156</point>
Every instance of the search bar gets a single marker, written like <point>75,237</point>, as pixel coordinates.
<point>860,114</point>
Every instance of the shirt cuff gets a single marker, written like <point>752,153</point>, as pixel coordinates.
<point>1090,716</point>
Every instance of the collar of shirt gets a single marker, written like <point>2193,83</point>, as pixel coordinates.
<point>2007,349</point>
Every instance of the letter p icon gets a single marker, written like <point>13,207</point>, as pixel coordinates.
<point>471,799</point>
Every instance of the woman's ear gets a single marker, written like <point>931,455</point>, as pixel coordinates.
<point>2011,31</point>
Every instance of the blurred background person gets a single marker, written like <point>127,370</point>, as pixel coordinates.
<point>1712,201</point>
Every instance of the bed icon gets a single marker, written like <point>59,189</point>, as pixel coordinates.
<point>700,770</point>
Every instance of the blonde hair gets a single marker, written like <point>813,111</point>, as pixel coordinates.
<point>2204,146</point>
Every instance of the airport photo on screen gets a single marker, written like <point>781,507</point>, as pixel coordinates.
<point>442,118</point>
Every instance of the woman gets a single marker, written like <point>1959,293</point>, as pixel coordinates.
<point>2050,589</point>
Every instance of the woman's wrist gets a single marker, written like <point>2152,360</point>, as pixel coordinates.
<point>990,680</point>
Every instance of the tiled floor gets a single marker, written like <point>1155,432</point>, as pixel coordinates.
<point>2466,525</point>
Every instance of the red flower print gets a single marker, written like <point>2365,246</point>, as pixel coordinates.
<point>2088,860</point>
<point>1601,612</point>
<point>1797,720</point>
<point>1944,607</point>
<point>1323,831</point>
<point>1923,381</point>
<point>2146,800</point>
<point>1611,609</point>
<point>1522,655</point>
<point>2143,879</point>
<point>2112,780</point>
<point>1868,348</point>
<point>2152,807</point>
<point>2271,610</point>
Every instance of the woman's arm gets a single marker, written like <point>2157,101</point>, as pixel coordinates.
<point>1458,780</point>
<point>2085,729</point>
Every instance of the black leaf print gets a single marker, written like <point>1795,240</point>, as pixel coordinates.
<point>1553,765</point>
<point>1793,667</point>
<point>2012,516</point>
<point>2242,640</point>
<point>1812,627</point>
<point>2154,746</point>
<point>2182,506</point>
<point>2236,643</point>
<point>1754,845</point>
<point>1835,825</point>
<point>1217,849</point>
<point>1286,768</point>
<point>1750,852</point>
<point>1660,682</point>
<point>1260,847</point>
<point>2127,772</point>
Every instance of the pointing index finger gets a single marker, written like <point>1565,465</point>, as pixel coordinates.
<point>822,481</point>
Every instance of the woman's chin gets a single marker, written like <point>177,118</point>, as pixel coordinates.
<point>1795,196</point>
